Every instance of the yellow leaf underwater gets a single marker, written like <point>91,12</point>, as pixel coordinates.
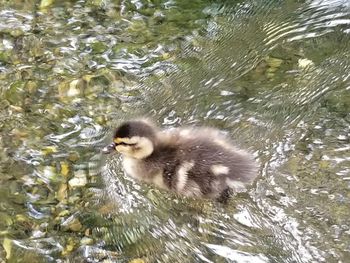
<point>45,3</point>
<point>64,169</point>
<point>137,260</point>
<point>7,245</point>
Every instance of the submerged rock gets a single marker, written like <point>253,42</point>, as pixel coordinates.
<point>78,180</point>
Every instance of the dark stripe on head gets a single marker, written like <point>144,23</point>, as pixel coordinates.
<point>134,128</point>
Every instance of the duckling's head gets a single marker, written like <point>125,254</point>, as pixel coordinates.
<point>134,139</point>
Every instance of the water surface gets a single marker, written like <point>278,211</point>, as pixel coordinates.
<point>273,74</point>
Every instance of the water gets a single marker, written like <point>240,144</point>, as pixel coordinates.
<point>272,74</point>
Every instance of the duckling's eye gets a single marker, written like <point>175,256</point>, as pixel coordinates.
<point>127,144</point>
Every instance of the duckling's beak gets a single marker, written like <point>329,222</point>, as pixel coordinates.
<point>109,148</point>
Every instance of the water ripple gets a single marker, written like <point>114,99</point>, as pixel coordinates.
<point>274,75</point>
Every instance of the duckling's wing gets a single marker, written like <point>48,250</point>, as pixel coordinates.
<point>216,157</point>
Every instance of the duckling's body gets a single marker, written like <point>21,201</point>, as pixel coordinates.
<point>198,162</point>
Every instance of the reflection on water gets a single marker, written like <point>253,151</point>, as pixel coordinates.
<point>274,75</point>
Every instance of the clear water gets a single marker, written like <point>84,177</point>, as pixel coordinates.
<point>274,74</point>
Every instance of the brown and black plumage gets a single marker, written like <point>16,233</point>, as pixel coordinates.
<point>198,162</point>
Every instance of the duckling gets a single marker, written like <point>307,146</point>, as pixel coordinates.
<point>194,162</point>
